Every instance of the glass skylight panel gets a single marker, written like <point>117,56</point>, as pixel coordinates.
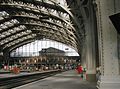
<point>4,33</point>
<point>3,26</point>
<point>24,38</point>
<point>17,28</point>
<point>8,34</point>
<point>11,38</point>
<point>3,14</point>
<point>2,36</point>
<point>11,30</point>
<point>22,27</point>
<point>1,18</point>
<point>14,37</point>
<point>52,10</point>
<point>38,0</point>
<point>28,31</point>
<point>55,12</point>
<point>1,43</point>
<point>8,24</point>
<point>4,41</point>
<point>33,35</point>
<point>14,21</point>
<point>18,34</point>
<point>50,19</point>
<point>43,9</point>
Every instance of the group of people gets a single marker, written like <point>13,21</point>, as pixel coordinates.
<point>82,71</point>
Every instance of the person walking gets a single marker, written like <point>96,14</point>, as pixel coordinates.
<point>80,70</point>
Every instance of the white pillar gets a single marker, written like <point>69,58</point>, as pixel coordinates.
<point>90,55</point>
<point>89,47</point>
<point>110,78</point>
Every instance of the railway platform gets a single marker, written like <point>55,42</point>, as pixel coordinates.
<point>12,75</point>
<point>65,80</point>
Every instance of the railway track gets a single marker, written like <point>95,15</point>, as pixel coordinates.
<point>12,82</point>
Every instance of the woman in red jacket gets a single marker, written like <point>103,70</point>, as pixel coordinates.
<point>79,69</point>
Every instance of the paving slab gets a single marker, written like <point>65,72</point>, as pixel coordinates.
<point>66,80</point>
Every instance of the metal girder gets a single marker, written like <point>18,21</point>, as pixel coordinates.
<point>32,24</point>
<point>73,35</point>
<point>28,40</point>
<point>37,11</point>
<point>17,32</point>
<point>66,41</point>
<point>57,37</point>
<point>78,27</point>
<point>14,37</point>
<point>39,26</point>
<point>70,37</point>
<point>44,4</point>
<point>42,21</point>
<point>19,44</point>
<point>19,40</point>
<point>74,19</point>
<point>10,27</point>
<point>65,29</point>
<point>69,32</point>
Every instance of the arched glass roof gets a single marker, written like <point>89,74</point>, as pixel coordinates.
<point>23,21</point>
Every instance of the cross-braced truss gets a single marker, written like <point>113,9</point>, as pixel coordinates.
<point>23,21</point>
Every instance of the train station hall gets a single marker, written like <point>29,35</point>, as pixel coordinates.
<point>59,44</point>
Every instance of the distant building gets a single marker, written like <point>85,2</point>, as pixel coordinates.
<point>51,51</point>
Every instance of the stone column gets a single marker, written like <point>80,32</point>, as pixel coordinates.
<point>110,78</point>
<point>90,55</point>
<point>90,52</point>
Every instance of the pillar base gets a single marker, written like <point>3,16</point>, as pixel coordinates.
<point>91,77</point>
<point>109,82</point>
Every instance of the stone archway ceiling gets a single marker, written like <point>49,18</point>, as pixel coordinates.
<point>23,20</point>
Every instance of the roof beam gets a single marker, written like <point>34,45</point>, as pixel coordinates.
<point>33,10</point>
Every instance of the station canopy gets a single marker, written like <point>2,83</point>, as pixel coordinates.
<point>24,21</point>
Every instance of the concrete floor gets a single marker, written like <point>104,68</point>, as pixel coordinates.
<point>65,80</point>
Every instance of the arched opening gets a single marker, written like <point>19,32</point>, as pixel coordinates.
<point>44,54</point>
<point>34,48</point>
